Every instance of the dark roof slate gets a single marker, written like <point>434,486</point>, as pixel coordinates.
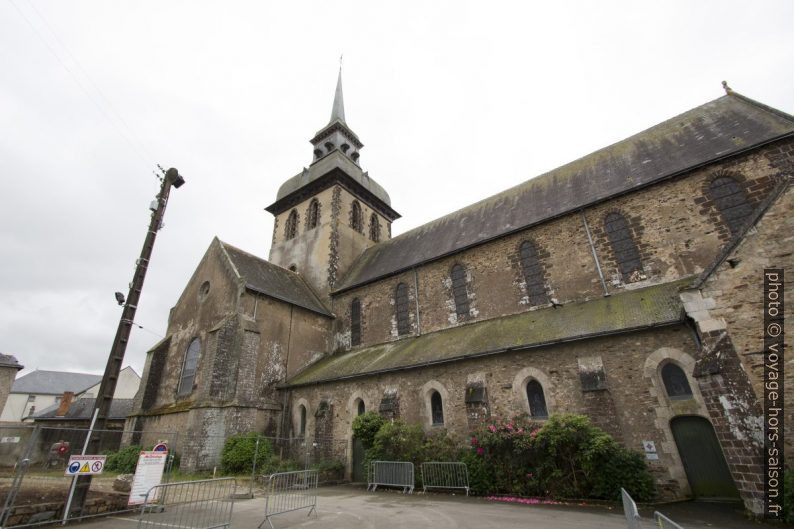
<point>54,382</point>
<point>632,310</point>
<point>709,132</point>
<point>274,281</point>
<point>82,409</point>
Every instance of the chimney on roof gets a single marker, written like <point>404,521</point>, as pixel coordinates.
<point>66,402</point>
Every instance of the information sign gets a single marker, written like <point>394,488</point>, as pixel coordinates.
<point>148,474</point>
<point>85,465</point>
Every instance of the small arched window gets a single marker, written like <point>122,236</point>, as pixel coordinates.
<point>313,215</point>
<point>675,382</point>
<point>437,408</point>
<point>623,246</point>
<point>537,401</point>
<point>355,322</point>
<point>189,368</point>
<point>302,419</point>
<point>374,228</point>
<point>401,306</point>
<point>356,219</point>
<point>730,200</point>
<point>533,274</point>
<point>361,408</point>
<point>291,227</point>
<point>459,291</point>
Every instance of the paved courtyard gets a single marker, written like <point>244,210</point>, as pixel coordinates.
<point>352,507</point>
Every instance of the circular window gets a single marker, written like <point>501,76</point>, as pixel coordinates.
<point>204,290</point>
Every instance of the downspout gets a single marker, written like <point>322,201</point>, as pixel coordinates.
<point>595,256</point>
<point>416,300</point>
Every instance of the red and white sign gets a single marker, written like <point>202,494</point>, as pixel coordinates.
<point>85,465</point>
<point>148,474</point>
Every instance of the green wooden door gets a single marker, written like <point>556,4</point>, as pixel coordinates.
<point>701,454</point>
<point>358,461</point>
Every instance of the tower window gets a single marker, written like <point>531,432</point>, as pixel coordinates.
<point>356,219</point>
<point>675,382</point>
<point>302,418</point>
<point>459,291</point>
<point>623,246</point>
<point>401,307</point>
<point>313,215</point>
<point>355,322</point>
<point>361,408</point>
<point>537,401</point>
<point>374,228</point>
<point>730,200</point>
<point>291,227</point>
<point>533,274</point>
<point>189,368</point>
<point>437,409</point>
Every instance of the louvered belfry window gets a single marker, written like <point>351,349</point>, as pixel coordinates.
<point>313,218</point>
<point>291,227</point>
<point>624,248</point>
<point>355,322</point>
<point>356,221</point>
<point>730,200</point>
<point>401,307</point>
<point>459,291</point>
<point>533,274</point>
<point>374,228</point>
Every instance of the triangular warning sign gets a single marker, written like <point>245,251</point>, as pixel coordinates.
<point>85,468</point>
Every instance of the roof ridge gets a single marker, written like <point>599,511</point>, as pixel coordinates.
<point>761,106</point>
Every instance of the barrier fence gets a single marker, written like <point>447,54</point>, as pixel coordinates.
<point>445,475</point>
<point>630,510</point>
<point>663,522</point>
<point>288,492</point>
<point>391,474</point>
<point>201,504</point>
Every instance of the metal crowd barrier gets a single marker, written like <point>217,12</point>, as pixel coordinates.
<point>391,474</point>
<point>663,522</point>
<point>202,504</point>
<point>290,491</point>
<point>445,475</point>
<point>630,510</point>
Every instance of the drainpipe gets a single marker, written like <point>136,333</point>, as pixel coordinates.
<point>595,256</point>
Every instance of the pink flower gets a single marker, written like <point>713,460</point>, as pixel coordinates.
<point>529,475</point>
<point>533,434</point>
<point>480,451</point>
<point>492,428</point>
<point>509,426</point>
<point>520,430</point>
<point>474,441</point>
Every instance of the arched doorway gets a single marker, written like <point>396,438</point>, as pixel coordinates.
<point>702,457</point>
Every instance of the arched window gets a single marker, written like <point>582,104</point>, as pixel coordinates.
<point>533,274</point>
<point>361,408</point>
<point>675,382</point>
<point>401,306</point>
<point>374,228</point>
<point>356,219</point>
<point>459,291</point>
<point>189,368</point>
<point>313,215</point>
<point>291,227</point>
<point>730,200</point>
<point>355,322</point>
<point>623,246</point>
<point>437,408</point>
<point>302,418</point>
<point>537,401</point>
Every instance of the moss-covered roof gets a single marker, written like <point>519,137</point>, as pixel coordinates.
<point>636,309</point>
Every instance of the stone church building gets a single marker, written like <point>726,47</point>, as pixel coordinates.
<point>626,285</point>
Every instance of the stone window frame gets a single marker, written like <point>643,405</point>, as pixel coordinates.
<point>458,284</point>
<point>355,322</point>
<point>741,186</point>
<point>402,310</point>
<point>520,381</point>
<point>308,423</point>
<point>426,412</point>
<point>313,214</point>
<point>184,392</point>
<point>356,217</point>
<point>374,227</point>
<point>291,225</point>
<point>535,414</point>
<point>629,275</point>
<point>536,299</point>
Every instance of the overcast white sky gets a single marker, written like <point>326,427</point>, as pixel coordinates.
<point>454,101</point>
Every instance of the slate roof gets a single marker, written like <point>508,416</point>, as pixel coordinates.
<point>10,361</point>
<point>272,280</point>
<point>54,382</point>
<point>720,128</point>
<point>82,409</point>
<point>632,310</point>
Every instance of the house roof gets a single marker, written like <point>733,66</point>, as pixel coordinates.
<point>43,382</point>
<point>632,310</point>
<point>10,361</point>
<point>271,280</point>
<point>720,128</point>
<point>82,410</point>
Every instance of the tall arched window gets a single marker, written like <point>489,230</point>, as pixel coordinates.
<point>401,307</point>
<point>459,291</point>
<point>675,382</point>
<point>302,419</point>
<point>436,408</point>
<point>291,226</point>
<point>189,368</point>
<point>313,214</point>
<point>537,401</point>
<point>730,200</point>
<point>374,227</point>
<point>361,408</point>
<point>356,218</point>
<point>623,246</point>
<point>533,274</point>
<point>355,322</point>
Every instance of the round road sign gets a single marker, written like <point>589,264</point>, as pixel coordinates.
<point>74,467</point>
<point>96,466</point>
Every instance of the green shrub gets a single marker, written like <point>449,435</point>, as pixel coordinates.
<point>274,464</point>
<point>481,478</point>
<point>788,497</point>
<point>366,426</point>
<point>619,467</point>
<point>239,451</point>
<point>123,461</point>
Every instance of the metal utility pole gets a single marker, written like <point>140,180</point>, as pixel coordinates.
<point>113,368</point>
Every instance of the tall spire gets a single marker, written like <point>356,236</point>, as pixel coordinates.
<point>338,110</point>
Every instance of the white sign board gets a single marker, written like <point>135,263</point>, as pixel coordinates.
<point>9,439</point>
<point>148,474</point>
<point>85,465</point>
<point>650,450</point>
